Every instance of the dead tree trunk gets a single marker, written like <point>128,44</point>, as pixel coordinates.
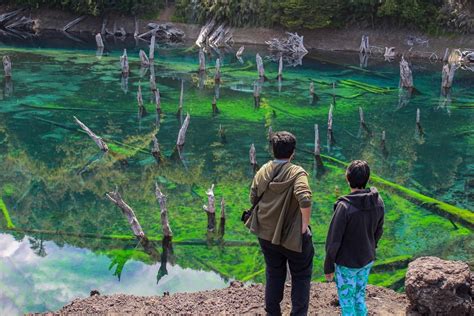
<point>256,95</point>
<point>135,34</point>
<point>161,198</point>
<point>222,222</point>
<point>182,132</point>
<point>102,145</point>
<point>253,157</point>
<point>280,68</point>
<point>446,55</point>
<point>73,22</point>
<point>261,70</point>
<point>155,151</point>
<point>215,110</point>
<point>334,93</point>
<point>217,76</point>
<point>418,122</point>
<point>124,63</point>
<point>202,61</point>
<point>383,139</point>
<point>128,212</point>
<point>311,89</point>
<point>152,49</point>
<point>141,107</point>
<point>406,77</point>
<point>99,41</point>
<point>7,66</point>
<point>152,83</point>
<point>317,146</point>
<point>145,62</point>
<point>210,209</point>
<point>6,17</point>
<point>181,99</point>
<point>156,93</point>
<point>364,45</point>
<point>240,52</point>
<point>448,76</point>
<point>330,120</point>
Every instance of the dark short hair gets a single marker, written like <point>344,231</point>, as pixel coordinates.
<point>358,174</point>
<point>283,144</point>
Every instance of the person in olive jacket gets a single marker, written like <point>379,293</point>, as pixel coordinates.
<point>355,229</point>
<point>281,223</point>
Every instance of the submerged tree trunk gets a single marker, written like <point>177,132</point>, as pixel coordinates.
<point>116,198</point>
<point>7,66</point>
<point>406,77</point>
<point>210,209</point>
<point>182,132</point>
<point>102,145</point>
<point>161,198</point>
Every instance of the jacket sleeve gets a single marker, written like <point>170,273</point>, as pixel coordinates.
<point>302,191</point>
<point>253,190</point>
<point>334,238</point>
<point>379,230</point>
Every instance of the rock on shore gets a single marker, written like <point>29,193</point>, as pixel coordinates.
<point>236,299</point>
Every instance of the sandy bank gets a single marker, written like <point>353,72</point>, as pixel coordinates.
<point>236,299</point>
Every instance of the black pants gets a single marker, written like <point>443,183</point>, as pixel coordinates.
<point>301,269</point>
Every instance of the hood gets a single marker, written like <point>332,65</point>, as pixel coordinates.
<point>367,199</point>
<point>286,175</point>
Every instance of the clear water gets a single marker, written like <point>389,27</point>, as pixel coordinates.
<point>68,238</point>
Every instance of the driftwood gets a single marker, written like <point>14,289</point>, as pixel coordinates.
<point>116,198</point>
<point>364,45</point>
<point>291,45</point>
<point>151,55</point>
<point>6,17</point>
<point>202,61</point>
<point>99,41</point>
<point>161,198</point>
<point>210,209</point>
<point>260,69</point>
<point>222,221</point>
<point>217,76</point>
<point>145,62</point>
<point>124,63</point>
<point>447,75</point>
<point>406,77</point>
<point>73,22</point>
<point>163,32</point>
<point>98,140</point>
<point>141,107</point>
<point>182,132</point>
<point>7,66</point>
<point>155,151</point>
<point>253,157</point>
<point>24,24</point>
<point>317,146</point>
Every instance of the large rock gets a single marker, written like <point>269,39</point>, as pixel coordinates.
<point>439,287</point>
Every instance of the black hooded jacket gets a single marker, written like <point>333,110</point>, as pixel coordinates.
<point>356,227</point>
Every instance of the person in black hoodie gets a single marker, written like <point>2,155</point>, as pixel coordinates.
<point>355,229</point>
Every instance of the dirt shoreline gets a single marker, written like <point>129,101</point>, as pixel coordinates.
<point>236,299</point>
<point>322,39</point>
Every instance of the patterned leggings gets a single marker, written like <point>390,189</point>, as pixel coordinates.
<point>351,284</point>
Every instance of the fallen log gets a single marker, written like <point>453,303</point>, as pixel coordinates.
<point>291,45</point>
<point>116,198</point>
<point>161,198</point>
<point>73,23</point>
<point>7,66</point>
<point>389,53</point>
<point>210,209</point>
<point>102,145</point>
<point>240,52</point>
<point>5,17</point>
<point>24,24</point>
<point>182,132</point>
<point>204,33</point>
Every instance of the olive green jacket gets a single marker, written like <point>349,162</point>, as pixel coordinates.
<point>277,217</point>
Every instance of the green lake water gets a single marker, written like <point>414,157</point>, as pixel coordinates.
<point>60,237</point>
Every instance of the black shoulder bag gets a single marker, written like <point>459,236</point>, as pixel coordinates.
<point>246,214</point>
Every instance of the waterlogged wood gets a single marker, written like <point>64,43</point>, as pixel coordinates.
<point>215,110</point>
<point>141,107</point>
<point>73,22</point>
<point>221,133</point>
<point>418,122</point>
<point>446,55</point>
<point>447,76</point>
<point>210,209</point>
<point>116,198</point>
<point>294,44</point>
<point>124,63</point>
<point>389,53</point>
<point>217,76</point>
<point>182,132</point>
<point>260,69</point>
<point>334,93</point>
<point>151,56</point>
<point>330,121</point>
<point>145,62</point>
<point>383,139</point>
<point>24,24</point>
<point>361,116</point>
<point>202,61</point>
<point>256,95</point>
<point>204,33</point>
<point>181,99</point>
<point>280,68</point>
<point>135,33</point>
<point>161,198</point>
<point>406,77</point>
<point>152,82</point>
<point>364,45</point>
<point>155,150</point>
<point>103,29</point>
<point>156,94</point>
<point>311,89</point>
<point>5,17</point>
<point>98,40</point>
<point>253,156</point>
<point>98,140</point>
<point>7,66</point>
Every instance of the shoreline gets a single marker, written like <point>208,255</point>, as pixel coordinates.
<point>347,39</point>
<point>235,299</point>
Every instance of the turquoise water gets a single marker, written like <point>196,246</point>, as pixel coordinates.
<point>68,238</point>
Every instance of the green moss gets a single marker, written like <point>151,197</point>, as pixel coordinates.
<point>6,215</point>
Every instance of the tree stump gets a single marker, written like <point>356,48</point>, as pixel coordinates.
<point>406,77</point>
<point>99,41</point>
<point>7,66</point>
<point>210,209</point>
<point>102,145</point>
<point>124,63</point>
<point>161,198</point>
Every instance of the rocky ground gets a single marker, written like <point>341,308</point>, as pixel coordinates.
<point>237,299</point>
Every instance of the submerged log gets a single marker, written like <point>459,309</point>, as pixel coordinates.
<point>330,120</point>
<point>155,151</point>
<point>98,140</point>
<point>418,122</point>
<point>163,32</point>
<point>311,89</point>
<point>161,198</point>
<point>202,61</point>
<point>361,116</point>
<point>145,62</point>
<point>141,107</point>
<point>99,41</point>
<point>317,146</point>
<point>116,198</point>
<point>260,69</point>
<point>382,143</point>
<point>73,22</point>
<point>151,56</point>
<point>124,63</point>
<point>364,45</point>
<point>7,66</point>
<point>334,93</point>
<point>210,209</point>
<point>406,77</point>
<point>182,132</point>
<point>156,93</point>
<point>447,76</point>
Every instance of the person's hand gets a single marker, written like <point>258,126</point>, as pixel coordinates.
<point>304,228</point>
<point>329,277</point>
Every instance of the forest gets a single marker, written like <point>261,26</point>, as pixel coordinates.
<point>433,16</point>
